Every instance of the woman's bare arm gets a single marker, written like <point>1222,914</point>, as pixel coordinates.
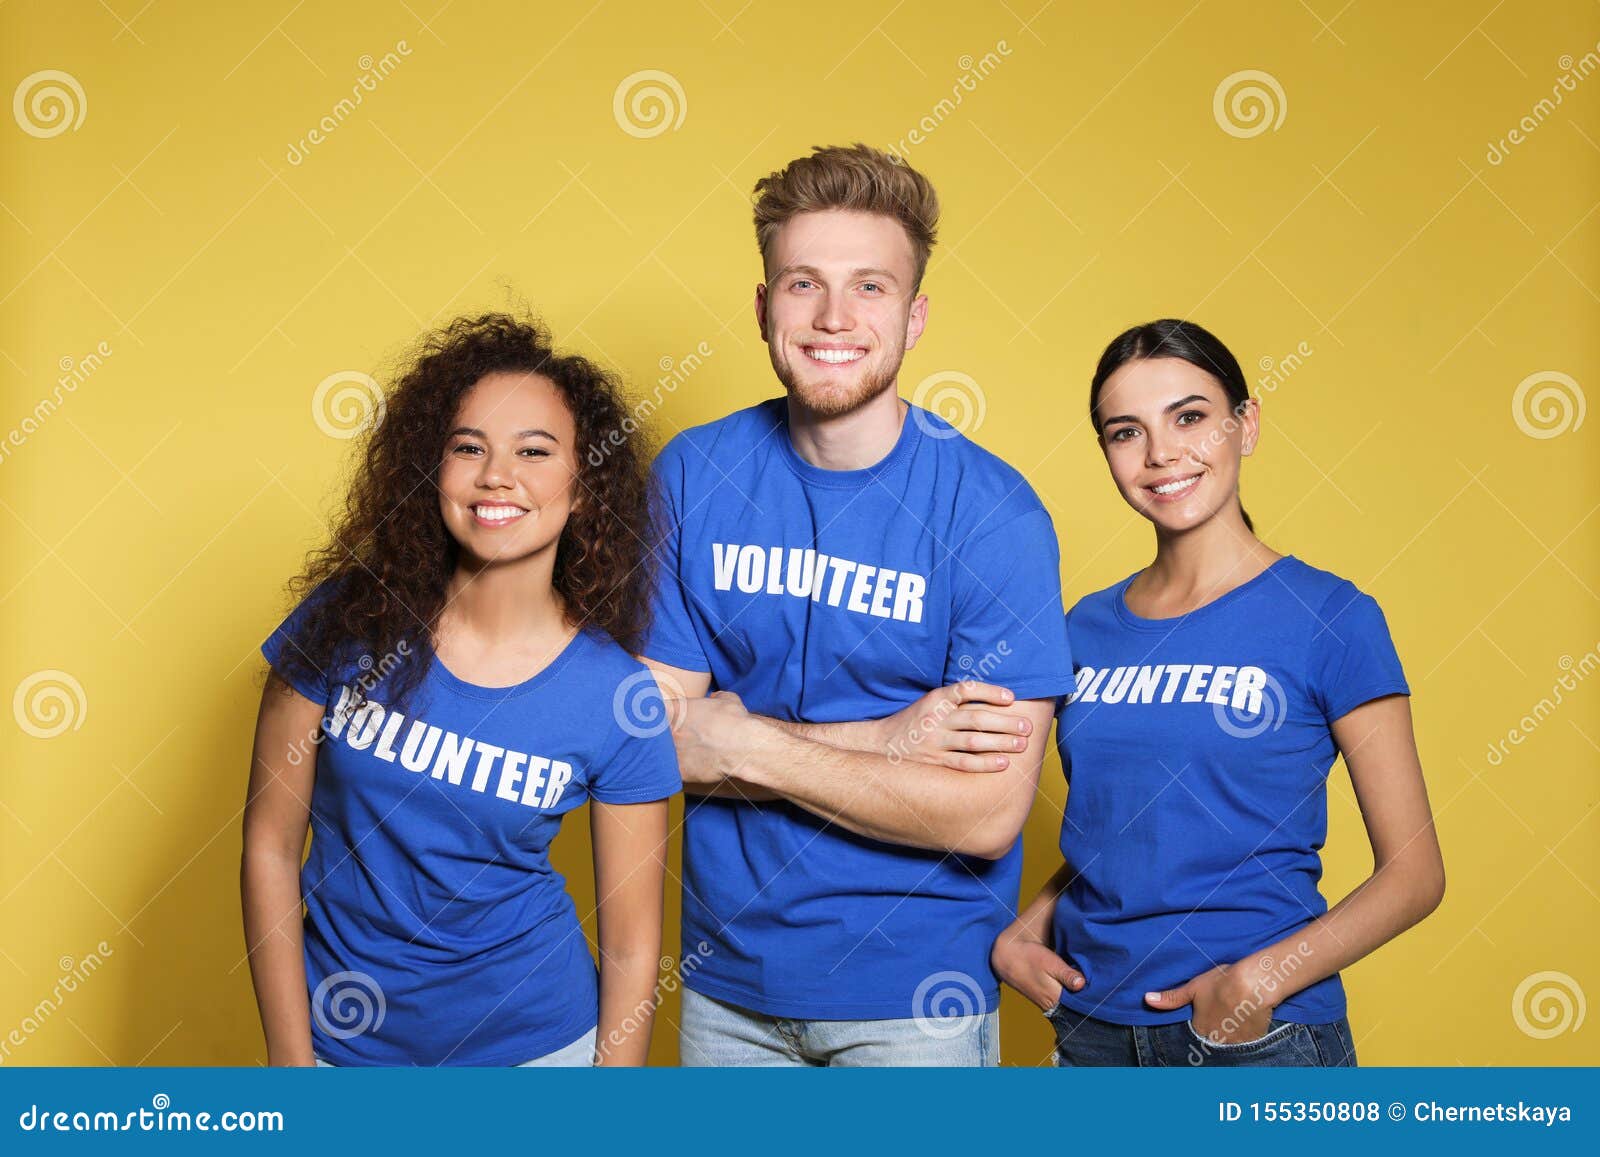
<point>630,864</point>
<point>277,814</point>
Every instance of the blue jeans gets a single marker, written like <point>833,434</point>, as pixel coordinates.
<point>577,1055</point>
<point>714,1033</point>
<point>1083,1040</point>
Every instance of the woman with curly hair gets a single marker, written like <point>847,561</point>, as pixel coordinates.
<point>450,684</point>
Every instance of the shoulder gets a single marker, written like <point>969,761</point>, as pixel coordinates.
<point>698,445</point>
<point>605,659</point>
<point>1096,608</point>
<point>1330,600</point>
<point>988,490</point>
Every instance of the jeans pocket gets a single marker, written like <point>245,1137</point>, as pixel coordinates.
<point>1285,1042</point>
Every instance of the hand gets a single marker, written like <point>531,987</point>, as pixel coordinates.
<point>711,736</point>
<point>1223,1010</point>
<point>952,727</point>
<point>1030,967</point>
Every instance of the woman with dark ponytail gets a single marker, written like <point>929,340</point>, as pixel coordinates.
<point>1213,691</point>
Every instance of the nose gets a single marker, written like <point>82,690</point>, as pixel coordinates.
<point>1161,449</point>
<point>833,313</point>
<point>492,472</point>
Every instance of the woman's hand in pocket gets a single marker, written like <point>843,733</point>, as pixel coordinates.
<point>1028,965</point>
<point>1220,1011</point>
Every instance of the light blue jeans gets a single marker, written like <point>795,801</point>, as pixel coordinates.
<point>577,1055</point>
<point>714,1033</point>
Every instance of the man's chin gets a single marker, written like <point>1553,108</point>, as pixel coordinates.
<point>830,399</point>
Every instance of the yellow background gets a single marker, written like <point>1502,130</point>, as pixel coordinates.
<point>1087,184</point>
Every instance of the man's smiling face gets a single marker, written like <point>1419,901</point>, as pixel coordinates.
<point>839,309</point>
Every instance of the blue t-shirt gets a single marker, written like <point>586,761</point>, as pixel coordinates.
<point>1197,752</point>
<point>824,596</point>
<point>436,930</point>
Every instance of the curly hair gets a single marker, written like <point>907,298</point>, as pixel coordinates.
<point>390,558</point>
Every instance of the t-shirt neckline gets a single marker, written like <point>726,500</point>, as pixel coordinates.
<point>477,691</point>
<point>1139,623</point>
<point>910,434</point>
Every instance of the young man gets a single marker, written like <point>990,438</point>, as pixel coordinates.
<point>835,563</point>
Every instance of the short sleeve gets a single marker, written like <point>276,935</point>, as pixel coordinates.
<point>1007,624</point>
<point>1353,659</point>
<point>643,764</point>
<point>291,664</point>
<point>672,638</point>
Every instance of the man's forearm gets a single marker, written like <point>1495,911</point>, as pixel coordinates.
<point>917,804</point>
<point>731,789</point>
<point>862,735</point>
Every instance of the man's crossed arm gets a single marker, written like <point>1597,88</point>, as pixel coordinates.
<point>954,771</point>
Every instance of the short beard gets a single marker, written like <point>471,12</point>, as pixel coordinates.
<point>833,403</point>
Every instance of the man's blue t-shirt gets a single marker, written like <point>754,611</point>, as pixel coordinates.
<point>436,930</point>
<point>1197,751</point>
<point>823,596</point>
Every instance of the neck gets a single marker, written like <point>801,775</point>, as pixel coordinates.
<point>506,603</point>
<point>1213,557</point>
<point>855,440</point>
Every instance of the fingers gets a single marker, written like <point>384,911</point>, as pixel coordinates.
<point>971,691</point>
<point>1069,977</point>
<point>1170,998</point>
<point>977,719</point>
<point>975,763</point>
<point>982,741</point>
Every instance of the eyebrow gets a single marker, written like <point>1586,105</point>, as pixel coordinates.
<point>860,271</point>
<point>474,432</point>
<point>1179,404</point>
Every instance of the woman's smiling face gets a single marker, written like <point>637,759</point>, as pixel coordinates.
<point>1172,440</point>
<point>506,485</point>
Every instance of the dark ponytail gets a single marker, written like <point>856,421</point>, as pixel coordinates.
<point>1172,338</point>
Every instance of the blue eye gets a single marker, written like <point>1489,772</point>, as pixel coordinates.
<point>871,285</point>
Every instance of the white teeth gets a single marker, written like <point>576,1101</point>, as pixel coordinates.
<point>835,357</point>
<point>1174,487</point>
<point>498,513</point>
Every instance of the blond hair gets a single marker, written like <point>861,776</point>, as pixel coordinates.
<point>855,177</point>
